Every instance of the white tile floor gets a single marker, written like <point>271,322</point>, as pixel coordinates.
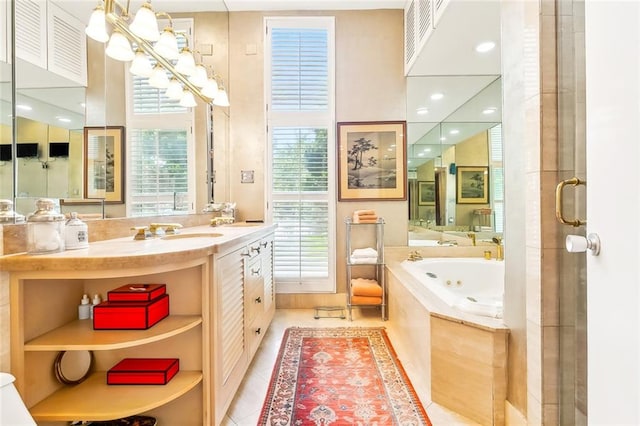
<point>246,406</point>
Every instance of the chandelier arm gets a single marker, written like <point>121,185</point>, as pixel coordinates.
<point>113,19</point>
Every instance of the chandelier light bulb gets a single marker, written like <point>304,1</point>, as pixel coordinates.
<point>141,66</point>
<point>187,101</point>
<point>167,44</point>
<point>222,99</point>
<point>119,47</point>
<point>97,28</point>
<point>158,78</point>
<point>210,90</point>
<point>145,24</point>
<point>174,90</point>
<point>199,77</point>
<point>186,65</point>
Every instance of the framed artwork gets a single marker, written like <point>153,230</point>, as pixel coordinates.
<point>427,193</point>
<point>104,163</point>
<point>372,161</point>
<point>472,184</point>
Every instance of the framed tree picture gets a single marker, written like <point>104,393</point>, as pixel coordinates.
<point>372,161</point>
<point>427,193</point>
<point>472,185</point>
<point>104,163</point>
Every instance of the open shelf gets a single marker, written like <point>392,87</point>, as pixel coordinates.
<point>93,399</point>
<point>80,335</point>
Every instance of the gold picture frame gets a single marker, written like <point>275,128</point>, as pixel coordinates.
<point>427,193</point>
<point>104,163</point>
<point>472,185</point>
<point>372,161</point>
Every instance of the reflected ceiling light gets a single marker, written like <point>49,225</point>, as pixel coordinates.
<point>485,46</point>
<point>64,119</point>
<point>83,105</point>
<point>119,47</point>
<point>421,154</point>
<point>186,63</point>
<point>437,96</point>
<point>187,101</point>
<point>489,110</point>
<point>454,131</point>
<point>174,90</point>
<point>97,28</point>
<point>158,78</point>
<point>141,66</point>
<point>222,99</point>
<point>443,138</point>
<point>23,107</point>
<point>422,111</point>
<point>167,44</point>
<point>427,150</point>
<point>145,24</point>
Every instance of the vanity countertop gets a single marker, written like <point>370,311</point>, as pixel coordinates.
<point>119,253</point>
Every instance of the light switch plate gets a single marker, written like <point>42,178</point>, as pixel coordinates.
<point>246,176</point>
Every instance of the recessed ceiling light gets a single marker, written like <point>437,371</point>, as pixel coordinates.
<point>485,46</point>
<point>437,96</point>
<point>23,107</point>
<point>422,111</point>
<point>489,110</point>
<point>64,119</point>
<point>427,150</point>
<point>83,105</point>
<point>454,132</point>
<point>443,138</point>
<point>421,154</point>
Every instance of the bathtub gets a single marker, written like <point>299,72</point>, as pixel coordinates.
<point>472,285</point>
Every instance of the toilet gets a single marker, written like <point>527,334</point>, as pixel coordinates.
<point>13,412</point>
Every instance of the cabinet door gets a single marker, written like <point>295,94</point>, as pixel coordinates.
<point>31,31</point>
<point>267,272</point>
<point>67,45</point>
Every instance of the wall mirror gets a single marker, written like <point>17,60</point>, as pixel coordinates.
<point>454,144</point>
<point>52,112</point>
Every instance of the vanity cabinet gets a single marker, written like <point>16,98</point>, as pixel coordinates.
<point>245,305</point>
<point>44,312</point>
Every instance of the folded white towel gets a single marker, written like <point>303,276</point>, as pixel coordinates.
<point>365,252</point>
<point>365,260</point>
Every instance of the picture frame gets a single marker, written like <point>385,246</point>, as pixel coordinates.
<point>104,170</point>
<point>427,193</point>
<point>372,161</point>
<point>472,185</point>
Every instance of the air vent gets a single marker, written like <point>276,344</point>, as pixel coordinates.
<point>31,36</point>
<point>410,33</point>
<point>67,46</point>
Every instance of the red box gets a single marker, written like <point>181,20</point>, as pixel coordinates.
<point>143,371</point>
<point>136,292</point>
<point>130,315</point>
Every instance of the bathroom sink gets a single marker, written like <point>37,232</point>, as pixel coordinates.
<point>193,235</point>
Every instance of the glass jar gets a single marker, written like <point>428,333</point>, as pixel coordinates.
<point>76,233</point>
<point>7,215</point>
<point>45,228</point>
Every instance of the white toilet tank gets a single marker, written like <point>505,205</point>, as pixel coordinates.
<point>12,410</point>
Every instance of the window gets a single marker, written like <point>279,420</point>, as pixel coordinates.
<point>299,67</point>
<point>160,150</point>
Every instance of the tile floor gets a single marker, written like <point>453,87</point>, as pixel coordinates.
<point>246,406</point>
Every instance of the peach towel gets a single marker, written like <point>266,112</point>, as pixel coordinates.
<point>364,213</point>
<point>365,287</point>
<point>364,300</point>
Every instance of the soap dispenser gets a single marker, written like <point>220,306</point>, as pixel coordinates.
<point>7,215</point>
<point>84,308</point>
<point>76,233</point>
<point>45,228</point>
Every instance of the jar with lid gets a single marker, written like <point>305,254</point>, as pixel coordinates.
<point>45,228</point>
<point>76,233</point>
<point>7,215</point>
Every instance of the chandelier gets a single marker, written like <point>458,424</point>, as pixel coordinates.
<point>176,70</point>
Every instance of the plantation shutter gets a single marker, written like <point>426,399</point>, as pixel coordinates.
<point>301,195</point>
<point>160,170</point>
<point>497,177</point>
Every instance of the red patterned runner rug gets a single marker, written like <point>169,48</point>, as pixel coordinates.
<point>340,376</point>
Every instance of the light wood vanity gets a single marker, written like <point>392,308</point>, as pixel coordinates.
<point>221,303</point>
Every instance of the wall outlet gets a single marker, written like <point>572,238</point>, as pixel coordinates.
<point>246,176</point>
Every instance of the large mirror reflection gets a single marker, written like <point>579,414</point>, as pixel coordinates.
<point>455,164</point>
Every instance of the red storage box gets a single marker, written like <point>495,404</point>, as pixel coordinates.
<point>143,371</point>
<point>130,315</point>
<point>136,292</point>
